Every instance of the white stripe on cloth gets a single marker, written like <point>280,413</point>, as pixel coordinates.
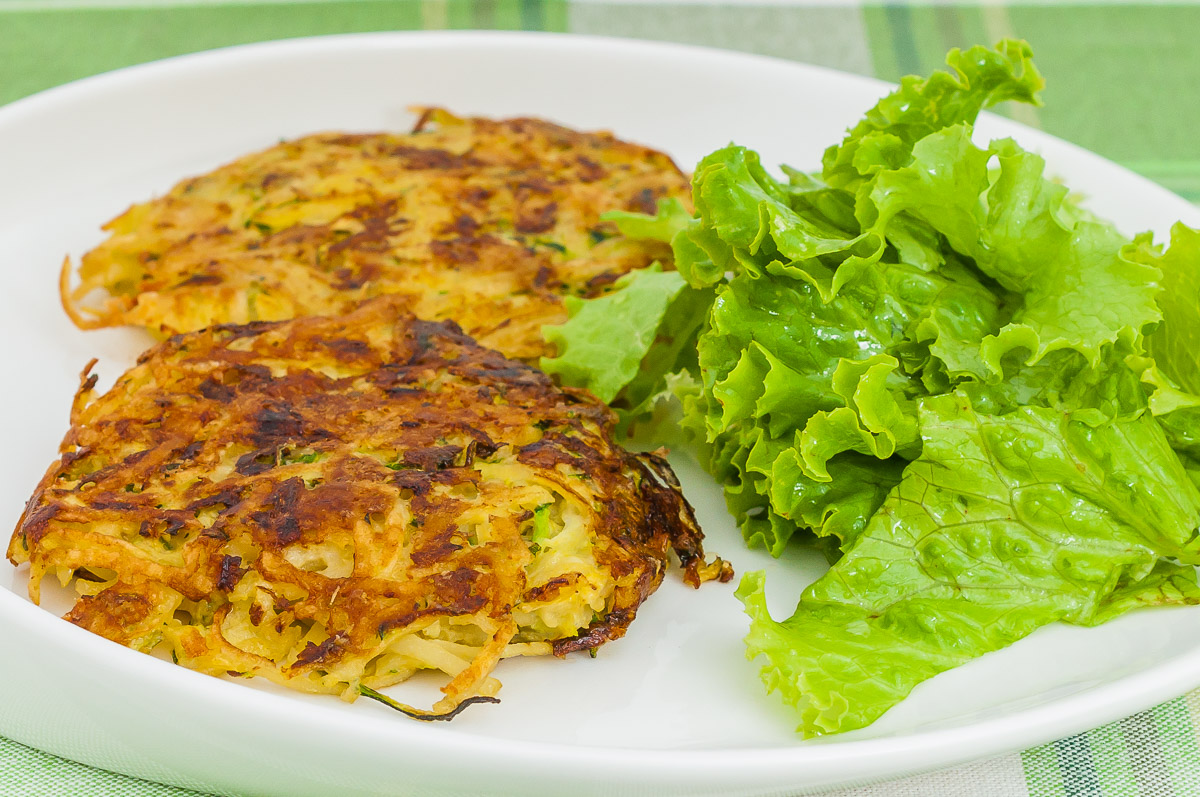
<point>995,777</point>
<point>832,34</point>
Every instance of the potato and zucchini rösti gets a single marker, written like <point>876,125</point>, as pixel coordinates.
<point>334,503</point>
<point>487,223</point>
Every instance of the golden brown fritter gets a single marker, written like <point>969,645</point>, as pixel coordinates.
<point>334,503</point>
<point>486,223</point>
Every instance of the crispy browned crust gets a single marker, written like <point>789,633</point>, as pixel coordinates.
<point>486,223</point>
<point>426,457</point>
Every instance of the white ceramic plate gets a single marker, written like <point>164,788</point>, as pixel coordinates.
<point>673,708</point>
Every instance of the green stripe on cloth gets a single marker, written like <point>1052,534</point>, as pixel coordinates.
<point>1077,767</point>
<point>1177,740</point>
<point>1192,701</point>
<point>1117,75</point>
<point>40,49</point>
<point>904,44</point>
<point>1112,762</point>
<point>830,35</point>
<point>1151,754</point>
<point>1042,773</point>
<point>25,771</point>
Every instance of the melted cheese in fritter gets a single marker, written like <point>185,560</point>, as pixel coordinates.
<point>486,223</point>
<point>335,503</point>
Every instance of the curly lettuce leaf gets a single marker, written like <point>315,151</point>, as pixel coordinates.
<point>798,378</point>
<point>622,344</point>
<point>671,218</point>
<point>982,77</point>
<point>1172,370</point>
<point>791,383</point>
<point>976,398</point>
<point>749,222</point>
<point>776,502</point>
<point>839,508</point>
<point>1077,288</point>
<point>1065,380</point>
<point>1175,344</point>
<point>1005,523</point>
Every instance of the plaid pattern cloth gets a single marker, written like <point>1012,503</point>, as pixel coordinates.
<point>1099,53</point>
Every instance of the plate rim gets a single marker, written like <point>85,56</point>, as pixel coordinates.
<point>907,753</point>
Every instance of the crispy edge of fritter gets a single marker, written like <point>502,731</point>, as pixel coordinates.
<point>665,508</point>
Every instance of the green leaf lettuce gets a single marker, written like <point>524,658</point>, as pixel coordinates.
<point>979,401</point>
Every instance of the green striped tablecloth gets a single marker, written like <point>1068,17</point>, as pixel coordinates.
<point>1124,77</point>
